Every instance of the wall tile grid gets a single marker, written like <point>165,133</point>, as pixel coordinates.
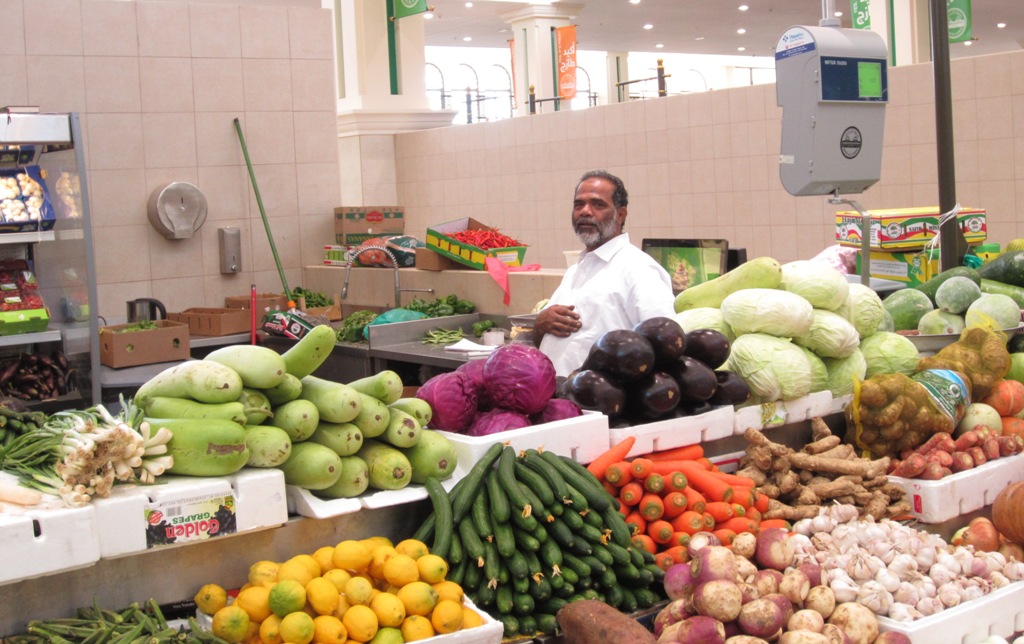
<point>157,85</point>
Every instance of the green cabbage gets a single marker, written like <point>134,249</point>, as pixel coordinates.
<point>830,336</point>
<point>774,368</point>
<point>843,371</point>
<point>887,352</point>
<point>823,286</point>
<point>704,317</point>
<point>766,310</point>
<point>819,373</point>
<point>863,308</point>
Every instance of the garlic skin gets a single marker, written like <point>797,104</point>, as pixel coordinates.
<point>906,593</point>
<point>999,580</point>
<point>929,606</point>
<point>874,596</point>
<point>824,522</point>
<point>889,580</point>
<point>941,575</point>
<point>901,612</point>
<point>845,590</point>
<point>902,565</point>
<point>949,595</point>
<point>804,527</point>
<point>1012,571</point>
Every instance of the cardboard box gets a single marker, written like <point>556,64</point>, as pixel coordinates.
<point>429,260</point>
<point>214,322</point>
<point>167,342</point>
<point>906,228</point>
<point>439,241</point>
<point>264,302</point>
<point>911,268</point>
<point>354,225</point>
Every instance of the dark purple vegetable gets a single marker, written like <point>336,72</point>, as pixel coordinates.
<point>474,371</point>
<point>709,346</point>
<point>519,378</point>
<point>497,420</point>
<point>731,390</point>
<point>654,396</point>
<point>595,391</point>
<point>453,399</point>
<point>697,382</point>
<point>622,354</point>
<point>556,409</point>
<point>666,337</point>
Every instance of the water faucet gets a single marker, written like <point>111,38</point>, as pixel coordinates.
<point>394,265</point>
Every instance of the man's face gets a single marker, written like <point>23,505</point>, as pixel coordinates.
<point>594,217</point>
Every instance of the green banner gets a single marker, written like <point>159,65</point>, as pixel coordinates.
<point>959,19</point>
<point>406,8</point>
<point>860,15</point>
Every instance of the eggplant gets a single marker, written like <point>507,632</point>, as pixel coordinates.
<point>654,396</point>
<point>623,354</point>
<point>709,346</point>
<point>697,381</point>
<point>666,336</point>
<point>595,391</point>
<point>731,390</point>
<point>695,409</point>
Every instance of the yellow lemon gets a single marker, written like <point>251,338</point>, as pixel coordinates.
<point>231,624</point>
<point>373,542</point>
<point>389,609</point>
<point>297,628</point>
<point>262,571</point>
<point>310,563</point>
<point>270,632</point>
<point>361,623</point>
<point>401,570</point>
<point>417,627</point>
<point>255,600</point>
<point>471,618</point>
<point>294,570</point>
<point>378,557</point>
<point>328,629</point>
<point>324,558</point>
<point>351,555</point>
<point>210,599</point>
<point>432,568</point>
<point>448,590</point>
<point>358,591</point>
<point>446,617</point>
<point>343,606</point>
<point>338,577</point>
<point>388,635</point>
<point>322,596</point>
<point>419,598</point>
<point>252,634</point>
<point>286,597</point>
<point>412,547</point>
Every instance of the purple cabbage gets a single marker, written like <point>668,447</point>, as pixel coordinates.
<point>453,398</point>
<point>519,378</point>
<point>556,409</point>
<point>497,420</point>
<point>474,370</point>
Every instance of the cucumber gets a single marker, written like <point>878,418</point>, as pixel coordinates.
<point>260,367</point>
<point>471,542</point>
<point>472,480</point>
<point>993,287</point>
<point>312,349</point>
<point>761,272</point>
<point>504,538</point>
<point>389,468</point>
<point>517,565</point>
<point>579,478</point>
<point>211,447</point>
<point>558,485</point>
<point>442,517</point>
<point>930,287</point>
<point>536,484</point>
<point>479,514</point>
<point>336,402</point>
<point>202,380</point>
<point>499,502</point>
<point>1008,268</point>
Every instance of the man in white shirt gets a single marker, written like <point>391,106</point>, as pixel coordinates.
<point>613,285</point>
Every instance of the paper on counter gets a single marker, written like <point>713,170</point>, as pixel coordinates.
<point>469,346</point>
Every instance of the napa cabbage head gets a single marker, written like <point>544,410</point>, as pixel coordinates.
<point>770,311</point>
<point>823,286</point>
<point>774,368</point>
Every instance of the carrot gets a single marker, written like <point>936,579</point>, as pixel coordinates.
<point>685,453</point>
<point>709,521</point>
<point>675,481</point>
<point>641,467</point>
<point>739,524</point>
<point>666,468</point>
<point>761,502</point>
<point>645,542</point>
<point>636,519</point>
<point>679,554</point>
<point>675,504</point>
<point>609,488</point>
<point>775,523</point>
<point>712,487</point>
<point>651,506</point>
<point>734,480</point>
<point>631,493</point>
<point>739,509</point>
<point>664,560</point>
<point>696,500</point>
<point>720,511</point>
<point>743,495</point>
<point>654,483</point>
<point>724,535</point>
<point>680,538</point>
<point>613,454</point>
<point>689,522</point>
<point>618,474</point>
<point>753,514</point>
<point>706,464</point>
<point>661,531</point>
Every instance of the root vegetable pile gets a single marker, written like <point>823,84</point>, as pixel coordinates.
<point>799,482</point>
<point>942,455</point>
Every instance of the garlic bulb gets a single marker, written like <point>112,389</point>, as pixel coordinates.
<point>901,612</point>
<point>889,580</point>
<point>845,590</point>
<point>1013,570</point>
<point>949,562</point>
<point>864,566</point>
<point>902,565</point>
<point>940,574</point>
<point>925,557</point>
<point>929,605</point>
<point>906,593</point>
<point>998,579</point>
<point>804,527</point>
<point>843,513</point>
<point>949,595</point>
<point>875,597</point>
<point>883,550</point>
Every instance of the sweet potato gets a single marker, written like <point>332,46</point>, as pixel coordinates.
<point>587,621</point>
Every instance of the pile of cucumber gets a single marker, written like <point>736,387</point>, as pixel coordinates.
<point>525,535</point>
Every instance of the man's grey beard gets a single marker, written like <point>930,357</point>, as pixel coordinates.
<point>594,238</point>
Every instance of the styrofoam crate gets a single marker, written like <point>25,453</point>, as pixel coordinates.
<point>47,540</point>
<point>676,432</point>
<point>951,496</point>
<point>999,613</point>
<point>783,412</point>
<point>582,438</point>
<point>839,403</point>
<point>304,503</point>
<point>490,632</point>
<point>259,495</point>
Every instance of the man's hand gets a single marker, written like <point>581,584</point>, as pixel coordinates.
<point>558,320</point>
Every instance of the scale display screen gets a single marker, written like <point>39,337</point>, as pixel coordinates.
<point>853,79</point>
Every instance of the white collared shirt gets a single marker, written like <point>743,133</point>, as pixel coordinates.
<point>613,287</point>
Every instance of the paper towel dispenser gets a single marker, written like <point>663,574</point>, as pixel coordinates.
<point>177,209</point>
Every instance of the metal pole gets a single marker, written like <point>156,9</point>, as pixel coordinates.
<point>469,106</point>
<point>662,89</point>
<point>533,100</point>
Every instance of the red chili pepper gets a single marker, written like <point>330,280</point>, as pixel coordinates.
<point>485,239</point>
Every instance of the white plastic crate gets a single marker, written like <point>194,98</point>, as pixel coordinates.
<point>951,496</point>
<point>582,438</point>
<point>259,496</point>
<point>783,412</point>
<point>839,403</point>
<point>676,432</point>
<point>47,540</point>
<point>998,613</point>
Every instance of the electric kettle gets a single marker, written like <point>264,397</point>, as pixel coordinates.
<point>146,308</point>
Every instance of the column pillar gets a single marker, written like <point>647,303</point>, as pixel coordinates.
<point>534,57</point>
<point>616,71</point>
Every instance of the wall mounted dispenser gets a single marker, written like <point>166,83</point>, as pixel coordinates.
<point>229,241</point>
<point>177,209</point>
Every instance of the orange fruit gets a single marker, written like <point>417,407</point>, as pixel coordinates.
<point>449,590</point>
<point>351,555</point>
<point>286,597</point>
<point>400,570</point>
<point>389,609</point>
<point>295,570</point>
<point>262,571</point>
<point>471,618</point>
<point>419,598</point>
<point>322,596</point>
<point>412,547</point>
<point>432,568</point>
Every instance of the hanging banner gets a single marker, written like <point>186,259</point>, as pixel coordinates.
<point>565,46</point>
<point>406,8</point>
<point>860,14</point>
<point>958,15</point>
<point>512,57</point>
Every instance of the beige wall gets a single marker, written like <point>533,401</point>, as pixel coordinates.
<point>158,85</point>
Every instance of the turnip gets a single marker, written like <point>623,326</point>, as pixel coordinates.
<point>978,415</point>
<point>679,581</point>
<point>698,629</point>
<point>767,581</point>
<point>822,600</point>
<point>761,618</point>
<point>892,637</point>
<point>795,585</point>
<point>713,562</point>
<point>784,604</point>
<point>669,633</point>
<point>700,540</point>
<point>745,569</point>
<point>744,545</point>
<point>806,620</point>
<point>835,634</point>
<point>774,549</point>
<point>748,591</point>
<point>718,598</point>
<point>662,621</point>
<point>857,621</point>
<point>802,637</point>
<point>813,572</point>
<point>745,639</point>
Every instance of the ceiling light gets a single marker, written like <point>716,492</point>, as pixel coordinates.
<point>741,49</point>
<point>659,46</point>
<point>741,31</point>
<point>743,7</point>
<point>968,43</point>
<point>699,38</point>
<point>469,5</point>
<point>1001,25</point>
<point>838,14</point>
<point>428,15</point>
<point>467,38</point>
<point>648,26</point>
<point>634,1</point>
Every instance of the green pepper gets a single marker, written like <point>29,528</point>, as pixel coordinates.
<point>451,299</point>
<point>481,326</point>
<point>417,305</point>
<point>444,309</point>
<point>464,306</point>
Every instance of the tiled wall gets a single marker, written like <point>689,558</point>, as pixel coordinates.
<point>158,85</point>
<point>706,165</point>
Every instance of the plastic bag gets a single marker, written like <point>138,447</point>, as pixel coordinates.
<point>980,353</point>
<point>393,315</point>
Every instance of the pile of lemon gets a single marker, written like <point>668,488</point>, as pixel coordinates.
<point>359,591</point>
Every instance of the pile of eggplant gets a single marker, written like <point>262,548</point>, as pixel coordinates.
<point>654,371</point>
